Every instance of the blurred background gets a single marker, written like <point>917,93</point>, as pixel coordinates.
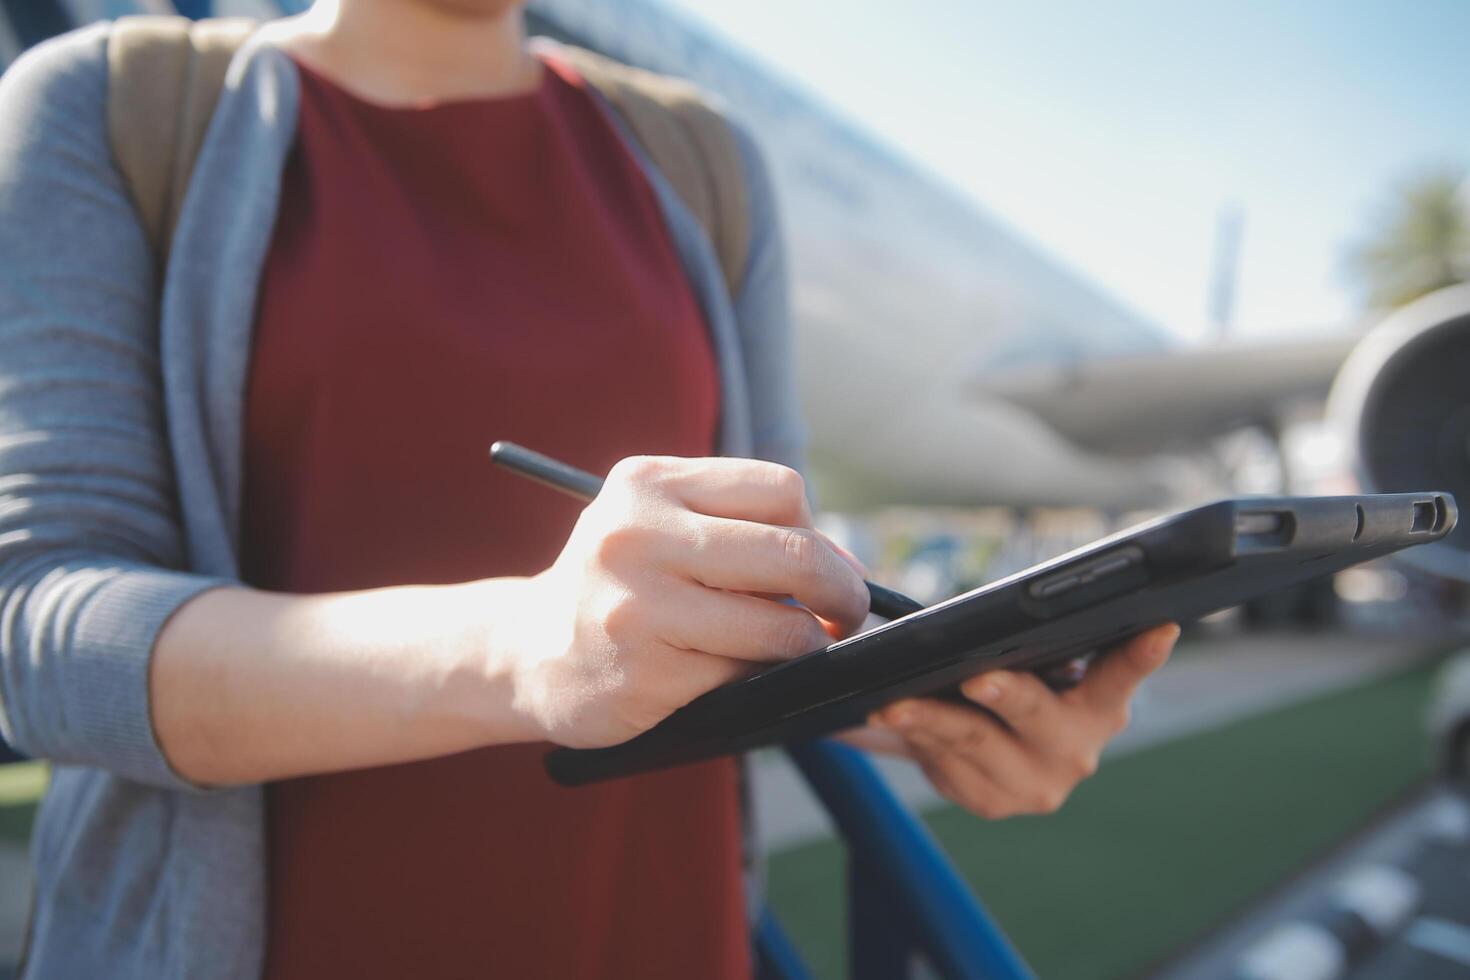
<point>1058,267</point>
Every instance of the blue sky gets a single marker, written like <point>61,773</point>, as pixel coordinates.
<point>1114,133</point>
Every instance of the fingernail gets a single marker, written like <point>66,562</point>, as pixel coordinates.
<point>989,693</point>
<point>1157,651</point>
<point>901,717</point>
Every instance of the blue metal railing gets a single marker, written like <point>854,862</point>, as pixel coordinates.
<point>33,21</point>
<point>905,899</point>
<point>195,8</point>
<point>775,956</point>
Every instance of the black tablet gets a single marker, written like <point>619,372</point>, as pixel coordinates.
<point>1176,568</point>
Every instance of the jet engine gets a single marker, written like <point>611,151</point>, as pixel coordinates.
<point>1403,396</point>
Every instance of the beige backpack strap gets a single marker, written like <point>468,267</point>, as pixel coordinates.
<point>690,143</point>
<point>164,79</point>
<point>165,76</point>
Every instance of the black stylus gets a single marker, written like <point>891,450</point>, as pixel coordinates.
<point>583,485</point>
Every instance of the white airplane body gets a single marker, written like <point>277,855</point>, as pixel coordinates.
<point>902,291</point>
<point>938,352</point>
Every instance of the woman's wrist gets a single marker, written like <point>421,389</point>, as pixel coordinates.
<point>489,627</point>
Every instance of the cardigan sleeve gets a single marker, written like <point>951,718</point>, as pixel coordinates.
<point>90,543</point>
<point>763,320</point>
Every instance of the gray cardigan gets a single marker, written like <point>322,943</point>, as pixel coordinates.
<point>120,477</point>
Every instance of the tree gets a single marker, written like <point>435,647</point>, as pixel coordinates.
<point>1423,244</point>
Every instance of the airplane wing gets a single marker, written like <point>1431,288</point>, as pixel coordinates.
<point>1154,401</point>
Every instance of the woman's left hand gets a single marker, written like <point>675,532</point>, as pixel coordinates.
<point>1037,745</point>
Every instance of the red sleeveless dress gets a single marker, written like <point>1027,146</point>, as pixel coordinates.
<point>441,277</point>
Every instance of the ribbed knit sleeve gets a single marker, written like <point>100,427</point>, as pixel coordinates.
<point>90,545</point>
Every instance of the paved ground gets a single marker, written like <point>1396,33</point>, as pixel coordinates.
<point>1406,875</point>
<point>1213,680</point>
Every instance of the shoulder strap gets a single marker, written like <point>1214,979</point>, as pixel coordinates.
<point>165,76</point>
<point>689,142</point>
<point>164,79</point>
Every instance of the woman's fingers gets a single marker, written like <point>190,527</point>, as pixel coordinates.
<point>936,723</point>
<point>940,729</point>
<point>1112,679</point>
<point>959,782</point>
<point>879,739</point>
<point>845,555</point>
<point>728,624</point>
<point>742,556</point>
<point>745,489</point>
<point>743,526</point>
<point>973,760</point>
<point>1031,746</point>
<point>1021,700</point>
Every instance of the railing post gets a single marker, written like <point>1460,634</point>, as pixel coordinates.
<point>896,854</point>
<point>775,957</point>
<point>195,9</point>
<point>879,940</point>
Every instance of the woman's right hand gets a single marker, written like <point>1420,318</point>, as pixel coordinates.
<point>650,603</point>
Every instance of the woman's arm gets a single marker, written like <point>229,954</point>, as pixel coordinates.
<point>90,547</point>
<point>113,655</point>
<point>642,612</point>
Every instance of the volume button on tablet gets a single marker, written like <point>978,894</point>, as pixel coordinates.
<point>1112,565</point>
<point>1045,590</point>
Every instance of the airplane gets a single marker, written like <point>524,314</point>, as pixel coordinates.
<point>974,345</point>
<point>976,368</point>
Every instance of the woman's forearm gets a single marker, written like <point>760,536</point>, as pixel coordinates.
<point>646,608</point>
<point>248,686</point>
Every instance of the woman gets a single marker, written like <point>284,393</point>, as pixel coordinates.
<point>248,537</point>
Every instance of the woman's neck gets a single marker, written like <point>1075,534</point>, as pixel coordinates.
<point>407,52</point>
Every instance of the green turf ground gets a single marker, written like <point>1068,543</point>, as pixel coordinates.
<point>21,785</point>
<point>1162,844</point>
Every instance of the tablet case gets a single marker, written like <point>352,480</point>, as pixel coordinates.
<point>1176,568</point>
